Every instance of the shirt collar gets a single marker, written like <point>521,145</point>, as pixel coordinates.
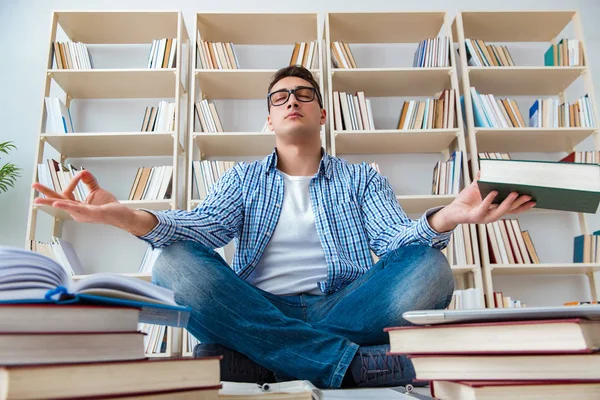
<point>325,165</point>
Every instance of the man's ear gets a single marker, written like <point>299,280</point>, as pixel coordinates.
<point>271,127</point>
<point>323,116</point>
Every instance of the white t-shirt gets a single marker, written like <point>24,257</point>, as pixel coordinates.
<point>294,260</point>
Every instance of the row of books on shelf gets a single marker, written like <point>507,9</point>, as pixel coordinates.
<point>305,54</point>
<point>163,53</point>
<point>447,175</point>
<point>433,52</point>
<point>152,183</point>
<point>460,249</point>
<point>430,113</point>
<point>480,54</point>
<point>57,176</point>
<point>549,113</point>
<point>72,55</point>
<point>61,251</point>
<point>587,157</point>
<point>207,173</point>
<point>160,118</point>
<point>508,244</point>
<point>544,113</point>
<point>207,115</point>
<point>565,53</point>
<point>501,301</point>
<point>216,55</point>
<point>466,299</point>
<point>341,55</point>
<point>586,248</point>
<point>156,338</point>
<point>150,256</point>
<point>59,116</point>
<point>188,343</point>
<point>531,358</point>
<point>352,112</point>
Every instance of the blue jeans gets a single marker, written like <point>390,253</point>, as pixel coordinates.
<point>305,337</point>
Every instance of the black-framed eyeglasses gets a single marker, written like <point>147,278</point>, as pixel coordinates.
<point>304,94</point>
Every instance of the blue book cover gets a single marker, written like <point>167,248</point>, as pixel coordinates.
<point>31,277</point>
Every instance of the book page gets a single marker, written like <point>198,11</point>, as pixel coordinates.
<point>120,286</point>
<point>295,389</point>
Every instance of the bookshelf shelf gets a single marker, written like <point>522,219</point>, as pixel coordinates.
<point>464,269</point>
<point>380,82</point>
<point>394,141</point>
<point>405,27</point>
<point>514,26</point>
<point>257,28</point>
<point>116,83</point>
<point>534,81</point>
<point>421,203</point>
<point>235,83</point>
<point>133,204</point>
<point>115,27</point>
<point>530,139</point>
<point>518,81</point>
<point>234,143</point>
<point>113,144</point>
<point>546,268</point>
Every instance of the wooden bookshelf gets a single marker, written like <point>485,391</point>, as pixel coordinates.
<point>114,29</point>
<point>543,81</point>
<point>114,144</point>
<point>249,29</point>
<point>382,141</point>
<point>384,82</point>
<point>116,83</point>
<point>398,81</point>
<point>529,139</point>
<point>534,81</point>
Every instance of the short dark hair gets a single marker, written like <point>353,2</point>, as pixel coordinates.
<point>299,72</point>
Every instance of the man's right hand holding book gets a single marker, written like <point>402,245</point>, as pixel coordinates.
<point>100,206</point>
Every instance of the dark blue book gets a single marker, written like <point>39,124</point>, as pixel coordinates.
<point>27,277</point>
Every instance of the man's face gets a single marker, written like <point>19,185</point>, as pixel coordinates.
<point>299,117</point>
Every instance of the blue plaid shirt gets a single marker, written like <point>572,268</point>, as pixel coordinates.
<point>355,210</point>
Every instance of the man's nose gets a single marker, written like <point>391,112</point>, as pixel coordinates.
<point>292,101</point>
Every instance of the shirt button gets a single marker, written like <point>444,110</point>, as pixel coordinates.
<point>277,205</point>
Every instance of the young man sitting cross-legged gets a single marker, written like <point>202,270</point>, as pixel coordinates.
<point>302,298</point>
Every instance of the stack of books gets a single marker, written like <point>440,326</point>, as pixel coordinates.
<point>586,248</point>
<point>72,55</point>
<point>152,183</point>
<point>207,115</point>
<point>490,112</point>
<point>508,244</point>
<point>433,52</point>
<point>305,54</point>
<point>216,55</point>
<point>430,113</point>
<point>550,113</point>
<point>447,175</point>
<point>480,54</point>
<point>65,339</point>
<point>159,119</point>
<point>566,53</point>
<point>545,359</point>
<point>352,112</point>
<point>163,53</point>
<point>57,176</point>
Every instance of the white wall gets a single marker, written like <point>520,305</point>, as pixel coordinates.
<point>24,30</point>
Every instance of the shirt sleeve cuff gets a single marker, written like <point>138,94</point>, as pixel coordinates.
<point>162,234</point>
<point>428,232</point>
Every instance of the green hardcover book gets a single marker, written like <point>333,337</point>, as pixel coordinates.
<point>549,57</point>
<point>552,185</point>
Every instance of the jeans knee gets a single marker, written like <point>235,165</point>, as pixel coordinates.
<point>176,259</point>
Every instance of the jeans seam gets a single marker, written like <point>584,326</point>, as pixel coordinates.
<point>343,366</point>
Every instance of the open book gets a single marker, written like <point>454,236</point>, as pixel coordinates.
<point>291,390</point>
<point>30,277</point>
